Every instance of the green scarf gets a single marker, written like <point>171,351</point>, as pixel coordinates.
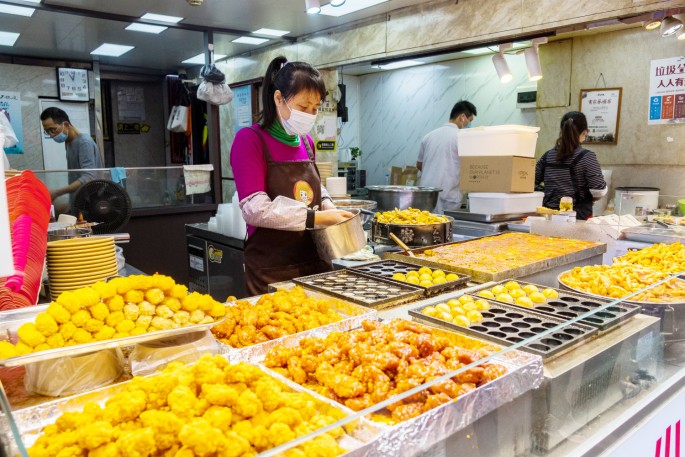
<point>277,131</point>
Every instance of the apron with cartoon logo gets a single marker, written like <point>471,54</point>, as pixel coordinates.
<point>278,255</point>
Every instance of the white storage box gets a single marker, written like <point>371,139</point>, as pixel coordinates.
<point>499,203</point>
<point>498,140</point>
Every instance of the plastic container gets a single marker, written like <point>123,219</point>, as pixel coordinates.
<point>498,140</point>
<point>500,203</point>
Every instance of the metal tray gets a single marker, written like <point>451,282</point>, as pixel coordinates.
<point>481,276</point>
<point>386,268</point>
<point>353,315</point>
<point>412,234</point>
<point>10,321</point>
<point>477,217</point>
<point>362,289</point>
<point>570,305</point>
<point>506,324</point>
<point>641,303</point>
<point>655,234</point>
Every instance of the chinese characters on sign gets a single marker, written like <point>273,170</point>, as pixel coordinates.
<point>10,102</point>
<point>242,106</point>
<point>325,129</point>
<point>667,91</point>
<point>602,107</point>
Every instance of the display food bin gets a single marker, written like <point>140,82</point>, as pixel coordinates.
<point>498,140</point>
<point>502,203</point>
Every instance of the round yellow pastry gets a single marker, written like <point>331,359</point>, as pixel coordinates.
<point>425,277</point>
<point>550,293</point>
<point>458,310</point>
<point>442,307</point>
<point>505,298</point>
<point>426,283</point>
<point>530,288</point>
<point>413,279</point>
<point>429,311</point>
<point>469,306</point>
<point>516,293</point>
<point>537,297</point>
<point>412,273</point>
<point>486,294</point>
<point>399,277</point>
<point>482,305</point>
<point>461,321</point>
<point>437,273</point>
<point>444,316</point>
<point>452,277</point>
<point>439,280</point>
<point>499,289</point>
<point>425,271</point>
<point>474,316</point>
<point>511,285</point>
<point>465,299</point>
<point>452,302</point>
<point>524,301</point>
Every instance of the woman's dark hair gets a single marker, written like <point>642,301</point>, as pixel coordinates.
<point>572,125</point>
<point>290,78</point>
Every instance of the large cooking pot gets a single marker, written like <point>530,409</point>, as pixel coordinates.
<point>413,235</point>
<point>629,198</point>
<point>348,203</point>
<point>341,239</point>
<point>403,197</point>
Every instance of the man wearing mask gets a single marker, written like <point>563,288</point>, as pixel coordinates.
<point>82,152</point>
<point>438,158</point>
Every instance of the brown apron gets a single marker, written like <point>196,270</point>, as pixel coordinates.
<point>279,255</point>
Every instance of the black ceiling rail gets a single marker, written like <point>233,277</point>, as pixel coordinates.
<point>124,18</point>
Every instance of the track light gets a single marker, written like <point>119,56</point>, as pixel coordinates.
<point>312,6</point>
<point>652,24</point>
<point>670,26</point>
<point>337,2</point>
<point>533,59</point>
<point>501,65</point>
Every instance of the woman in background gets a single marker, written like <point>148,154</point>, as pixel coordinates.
<point>569,170</point>
<point>278,184</point>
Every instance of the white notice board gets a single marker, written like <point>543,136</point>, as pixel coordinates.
<point>54,154</point>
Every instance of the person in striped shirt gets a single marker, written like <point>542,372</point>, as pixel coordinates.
<point>569,170</point>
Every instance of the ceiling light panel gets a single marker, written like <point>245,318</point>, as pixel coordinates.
<point>146,28</point>
<point>112,50</point>
<point>200,59</point>
<point>16,10</point>
<point>250,40</point>
<point>349,7</point>
<point>271,32</point>
<point>161,18</point>
<point>8,38</point>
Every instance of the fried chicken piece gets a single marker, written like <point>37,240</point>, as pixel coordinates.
<point>295,370</point>
<point>436,400</point>
<point>359,403</point>
<point>472,375</point>
<point>273,332</point>
<point>492,371</point>
<point>225,328</point>
<point>407,411</point>
<point>344,386</point>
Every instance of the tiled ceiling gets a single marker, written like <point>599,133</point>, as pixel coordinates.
<point>70,29</point>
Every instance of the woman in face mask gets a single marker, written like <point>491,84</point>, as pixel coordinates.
<point>278,184</point>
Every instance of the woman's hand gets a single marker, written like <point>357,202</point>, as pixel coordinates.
<point>331,217</point>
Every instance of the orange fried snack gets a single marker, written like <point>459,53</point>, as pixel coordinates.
<point>273,316</point>
<point>366,366</point>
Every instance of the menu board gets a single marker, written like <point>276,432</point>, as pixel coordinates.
<point>667,91</point>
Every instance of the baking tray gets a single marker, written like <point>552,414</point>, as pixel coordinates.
<point>505,324</point>
<point>655,234</point>
<point>641,303</point>
<point>571,305</point>
<point>477,217</point>
<point>32,420</point>
<point>362,289</point>
<point>386,268</point>
<point>481,276</point>
<point>10,321</point>
<point>353,315</point>
<point>412,234</point>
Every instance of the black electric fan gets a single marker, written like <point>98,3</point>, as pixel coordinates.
<point>104,202</point>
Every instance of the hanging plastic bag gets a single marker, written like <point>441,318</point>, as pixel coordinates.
<point>216,94</point>
<point>212,74</point>
<point>178,119</point>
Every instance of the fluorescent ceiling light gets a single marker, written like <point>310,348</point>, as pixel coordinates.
<point>147,28</point>
<point>113,50</point>
<point>250,40</point>
<point>478,51</point>
<point>16,10</point>
<point>161,18</point>
<point>8,38</point>
<point>200,59</point>
<point>399,64</point>
<point>348,7</point>
<point>271,32</point>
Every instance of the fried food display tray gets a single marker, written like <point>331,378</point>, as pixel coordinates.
<point>387,268</point>
<point>352,314</point>
<point>10,321</point>
<point>506,324</point>
<point>361,289</point>
<point>571,305</point>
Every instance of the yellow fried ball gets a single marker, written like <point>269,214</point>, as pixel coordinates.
<point>550,293</point>
<point>486,294</point>
<point>399,277</point>
<point>530,288</point>
<point>517,293</point>
<point>524,301</point>
<point>537,297</point>
<point>451,277</point>
<point>505,298</point>
<point>498,289</point>
<point>511,285</point>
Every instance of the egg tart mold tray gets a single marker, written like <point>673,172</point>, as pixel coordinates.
<point>571,305</point>
<point>506,324</point>
<point>353,315</point>
<point>386,268</point>
<point>10,321</point>
<point>374,292</point>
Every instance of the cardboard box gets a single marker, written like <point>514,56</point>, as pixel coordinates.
<point>497,174</point>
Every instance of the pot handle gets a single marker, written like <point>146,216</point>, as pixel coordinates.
<point>367,212</point>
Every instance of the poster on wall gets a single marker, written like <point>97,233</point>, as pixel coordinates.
<point>242,106</point>
<point>667,91</point>
<point>325,131</point>
<point>602,108</point>
<point>10,102</point>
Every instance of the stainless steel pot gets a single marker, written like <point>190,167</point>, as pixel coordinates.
<point>347,204</point>
<point>341,239</point>
<point>413,235</point>
<point>66,233</point>
<point>403,197</point>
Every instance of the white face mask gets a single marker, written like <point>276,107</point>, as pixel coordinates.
<point>300,123</point>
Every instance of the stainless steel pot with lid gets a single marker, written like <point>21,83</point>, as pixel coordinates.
<point>341,239</point>
<point>403,197</point>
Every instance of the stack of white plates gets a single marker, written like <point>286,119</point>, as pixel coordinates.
<point>325,169</point>
<point>79,262</point>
